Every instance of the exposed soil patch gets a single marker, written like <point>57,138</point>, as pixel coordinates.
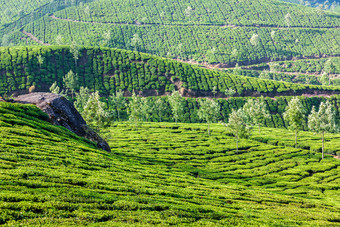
<point>35,38</point>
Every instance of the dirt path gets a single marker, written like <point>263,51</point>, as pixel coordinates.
<point>188,25</point>
<point>34,38</point>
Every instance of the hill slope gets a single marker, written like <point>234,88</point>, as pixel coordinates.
<point>51,177</point>
<point>110,70</point>
<point>209,32</point>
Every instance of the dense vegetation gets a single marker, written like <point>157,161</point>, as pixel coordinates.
<point>219,12</point>
<point>51,177</point>
<point>110,70</point>
<point>303,66</point>
<point>190,107</point>
<point>213,44</point>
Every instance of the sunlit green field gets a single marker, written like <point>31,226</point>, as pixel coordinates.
<point>162,174</point>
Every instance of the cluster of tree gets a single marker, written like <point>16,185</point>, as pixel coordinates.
<point>253,112</point>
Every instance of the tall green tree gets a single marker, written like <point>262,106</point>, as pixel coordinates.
<point>256,110</point>
<point>175,101</point>
<point>81,99</point>
<point>40,60</point>
<point>323,121</point>
<point>209,111</point>
<point>295,116</point>
<point>238,125</point>
<point>71,82</point>
<point>94,113</point>
<point>160,107</point>
<point>134,109</point>
<point>255,40</point>
<point>54,88</point>
<point>75,51</point>
<point>118,101</point>
<point>146,108</point>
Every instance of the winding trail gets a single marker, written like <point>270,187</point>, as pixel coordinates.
<point>189,25</point>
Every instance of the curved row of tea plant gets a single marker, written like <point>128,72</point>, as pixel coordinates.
<point>216,12</point>
<point>110,70</point>
<point>51,177</point>
<point>212,44</point>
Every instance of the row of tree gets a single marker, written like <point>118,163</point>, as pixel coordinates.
<point>240,121</point>
<point>253,112</point>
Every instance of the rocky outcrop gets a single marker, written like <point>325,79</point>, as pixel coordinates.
<point>63,113</point>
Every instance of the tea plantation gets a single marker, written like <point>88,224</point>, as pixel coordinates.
<point>177,175</point>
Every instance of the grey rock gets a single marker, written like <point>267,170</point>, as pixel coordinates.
<point>63,113</point>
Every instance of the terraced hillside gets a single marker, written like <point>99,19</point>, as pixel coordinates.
<point>110,70</point>
<point>52,177</point>
<point>15,14</point>
<point>213,31</point>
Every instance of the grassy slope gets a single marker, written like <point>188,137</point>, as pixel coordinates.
<point>110,70</point>
<point>213,12</point>
<point>49,176</point>
<point>184,38</point>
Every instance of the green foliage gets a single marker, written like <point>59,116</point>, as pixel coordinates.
<point>117,102</point>
<point>323,121</point>
<point>50,177</point>
<point>70,81</point>
<point>82,99</point>
<point>134,109</point>
<point>208,111</point>
<point>54,88</point>
<point>256,112</point>
<point>295,115</point>
<point>238,125</point>
<point>94,113</point>
<point>175,101</point>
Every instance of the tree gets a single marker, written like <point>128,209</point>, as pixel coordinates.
<point>70,81</point>
<point>256,112</point>
<point>40,60</point>
<point>295,116</point>
<point>81,99</point>
<point>134,109</point>
<point>230,92</point>
<point>175,101</point>
<point>214,91</point>
<point>60,40</point>
<point>323,121</point>
<point>329,66</point>
<point>272,35</point>
<point>325,79</point>
<point>136,41</point>
<point>54,88</point>
<point>264,75</point>
<point>94,113</point>
<point>146,108</point>
<point>238,125</point>
<point>208,111</point>
<point>255,40</point>
<point>107,38</point>
<point>75,51</point>
<point>118,101</point>
<point>288,19</point>
<point>160,107</point>
<point>188,11</point>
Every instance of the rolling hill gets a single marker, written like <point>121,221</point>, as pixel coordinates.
<point>50,176</point>
<point>217,32</point>
<point>109,70</point>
